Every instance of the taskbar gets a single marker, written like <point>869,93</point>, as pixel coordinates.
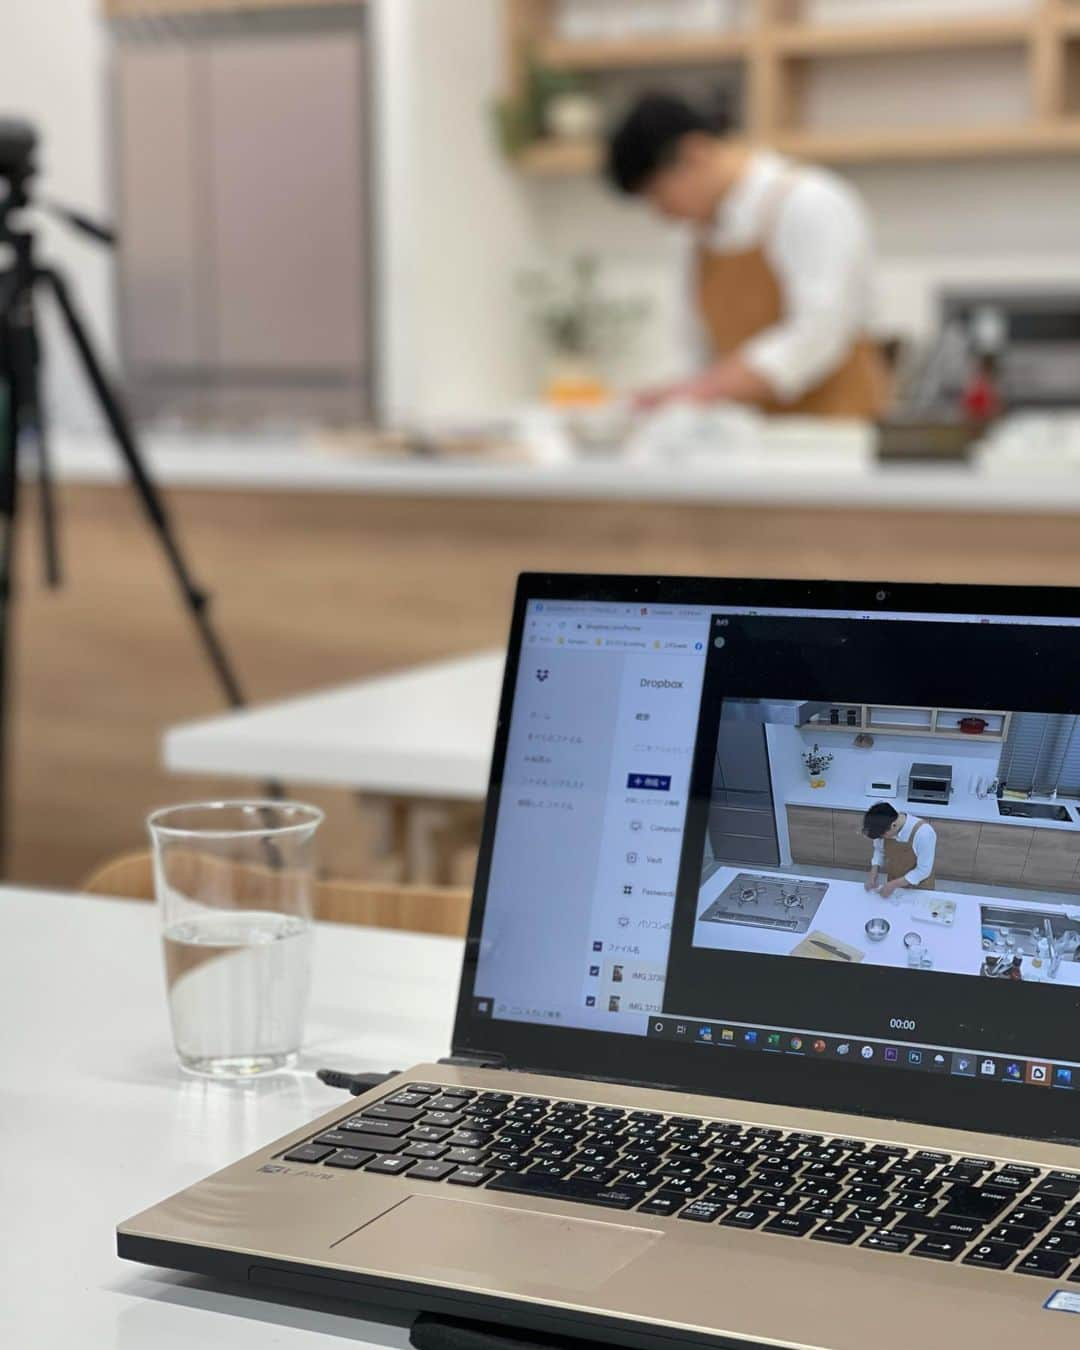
<point>949,1060</point>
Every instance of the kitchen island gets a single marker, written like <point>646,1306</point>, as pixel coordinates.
<point>840,919</point>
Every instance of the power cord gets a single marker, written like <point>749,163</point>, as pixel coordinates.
<point>356,1083</point>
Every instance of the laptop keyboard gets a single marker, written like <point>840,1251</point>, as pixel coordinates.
<point>884,1197</point>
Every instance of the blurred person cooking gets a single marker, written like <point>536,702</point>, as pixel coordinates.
<point>905,849</point>
<point>779,288</point>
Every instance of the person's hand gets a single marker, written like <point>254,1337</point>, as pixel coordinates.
<point>872,883</point>
<point>890,888</point>
<point>649,400</point>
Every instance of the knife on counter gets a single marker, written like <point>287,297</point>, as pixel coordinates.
<point>828,947</point>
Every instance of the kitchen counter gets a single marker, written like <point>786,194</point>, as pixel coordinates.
<point>846,791</point>
<point>796,478</point>
<point>843,914</point>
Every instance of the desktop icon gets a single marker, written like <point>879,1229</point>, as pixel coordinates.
<point>594,971</point>
<point>680,1029</point>
<point>796,1043</point>
<point>844,1048</point>
<point>543,675</point>
<point>988,1068</point>
<point>773,1040</point>
<point>1063,1077</point>
<point>820,1047</point>
<point>891,1054</point>
<point>598,946</point>
<point>590,1001</point>
<point>867,1052</point>
<point>914,1057</point>
<point>964,1065</point>
<point>750,1037</point>
<point>1014,1071</point>
<point>727,1034</point>
<point>1039,1074</point>
<point>939,1061</point>
<point>704,1033</point>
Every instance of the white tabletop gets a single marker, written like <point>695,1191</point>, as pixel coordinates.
<point>424,732</point>
<point>97,1121</point>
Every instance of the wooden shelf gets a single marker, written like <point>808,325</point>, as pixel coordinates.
<point>561,159</point>
<point>868,38</point>
<point>697,49</point>
<point>918,144</point>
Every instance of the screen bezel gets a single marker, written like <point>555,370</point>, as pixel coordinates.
<point>958,1103</point>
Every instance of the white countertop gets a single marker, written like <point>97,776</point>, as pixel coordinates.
<point>963,805</point>
<point>843,914</point>
<point>424,732</point>
<point>303,464</point>
<point>97,1122</point>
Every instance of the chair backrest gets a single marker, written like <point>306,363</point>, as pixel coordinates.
<point>415,909</point>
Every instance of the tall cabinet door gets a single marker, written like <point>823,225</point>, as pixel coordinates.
<point>286,201</point>
<point>155,164</point>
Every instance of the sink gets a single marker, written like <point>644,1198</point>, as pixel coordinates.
<point>1020,930</point>
<point>1034,810</point>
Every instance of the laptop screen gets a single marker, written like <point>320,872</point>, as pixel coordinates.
<point>813,835</point>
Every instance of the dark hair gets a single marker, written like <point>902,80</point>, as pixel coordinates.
<point>647,139</point>
<point>879,820</point>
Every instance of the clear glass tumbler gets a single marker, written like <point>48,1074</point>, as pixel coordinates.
<point>234,885</point>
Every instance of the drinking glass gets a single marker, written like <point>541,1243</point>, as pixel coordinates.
<point>234,888</point>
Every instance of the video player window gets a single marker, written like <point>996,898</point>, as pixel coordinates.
<point>893,836</point>
<point>884,833</point>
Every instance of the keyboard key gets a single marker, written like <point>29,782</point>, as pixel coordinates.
<point>375,1143</point>
<point>1042,1203</point>
<point>1068,1244</point>
<point>791,1225</point>
<point>561,1188</point>
<point>1029,1218</point>
<point>336,1139</point>
<point>889,1242</point>
<point>1059,1187</point>
<point>391,1165</point>
<point>431,1171</point>
<point>940,1248</point>
<point>349,1158</point>
<point>831,1209</point>
<point>844,1234</point>
<point>929,1155</point>
<point>309,1153</point>
<point>679,1186</point>
<point>864,1214</point>
<point>946,1225</point>
<point>432,1134</point>
<point>992,1255</point>
<point>866,1195</point>
<point>1072,1177</point>
<point>422,1150</point>
<point>469,1176</point>
<point>702,1211</point>
<point>455,1091</point>
<point>450,1118</point>
<point>976,1203</point>
<point>425,1089</point>
<point>494,1098</point>
<point>465,1157</point>
<point>547,1168</point>
<point>392,1129</point>
<point>407,1098</point>
<point>1011,1236</point>
<point>1008,1181</point>
<point>663,1205</point>
<point>388,1111</point>
<point>746,1216</point>
<point>1047,1264</point>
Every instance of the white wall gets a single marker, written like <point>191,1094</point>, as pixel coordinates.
<point>52,60</point>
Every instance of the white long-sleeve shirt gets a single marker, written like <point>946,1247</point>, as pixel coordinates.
<point>820,246</point>
<point>924,844</point>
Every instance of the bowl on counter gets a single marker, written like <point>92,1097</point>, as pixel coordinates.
<point>877,930</point>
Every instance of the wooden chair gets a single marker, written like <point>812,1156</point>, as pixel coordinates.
<point>416,909</point>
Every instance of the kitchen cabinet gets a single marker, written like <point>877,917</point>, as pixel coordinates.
<point>851,848</point>
<point>1053,860</point>
<point>742,825</point>
<point>810,831</point>
<point>1002,853</point>
<point>957,846</point>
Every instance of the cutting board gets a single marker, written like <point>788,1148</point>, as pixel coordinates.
<point>840,951</point>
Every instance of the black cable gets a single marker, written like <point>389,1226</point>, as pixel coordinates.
<point>356,1083</point>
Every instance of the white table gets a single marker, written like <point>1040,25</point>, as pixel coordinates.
<point>97,1121</point>
<point>425,732</point>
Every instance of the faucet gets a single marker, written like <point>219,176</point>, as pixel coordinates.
<point>1055,951</point>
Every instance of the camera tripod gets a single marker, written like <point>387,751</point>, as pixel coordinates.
<point>24,420</point>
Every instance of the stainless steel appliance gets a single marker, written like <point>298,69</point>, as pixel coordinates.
<point>930,783</point>
<point>783,903</point>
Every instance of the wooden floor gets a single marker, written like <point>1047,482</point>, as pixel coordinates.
<point>314,589</point>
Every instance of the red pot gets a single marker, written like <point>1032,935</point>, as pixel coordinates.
<point>973,726</point>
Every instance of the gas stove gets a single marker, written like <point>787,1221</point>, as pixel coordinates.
<point>782,903</point>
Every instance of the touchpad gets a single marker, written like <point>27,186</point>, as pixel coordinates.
<point>492,1247</point>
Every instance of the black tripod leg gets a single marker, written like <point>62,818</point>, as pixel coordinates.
<point>9,492</point>
<point>196,600</point>
<point>25,363</point>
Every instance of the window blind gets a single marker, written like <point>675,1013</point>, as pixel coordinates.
<point>1042,752</point>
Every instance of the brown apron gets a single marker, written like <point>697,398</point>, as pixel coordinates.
<point>739,296</point>
<point>900,859</point>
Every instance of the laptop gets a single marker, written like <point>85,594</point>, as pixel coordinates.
<point>769,1022</point>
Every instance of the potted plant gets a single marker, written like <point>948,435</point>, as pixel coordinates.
<point>580,327</point>
<point>817,763</point>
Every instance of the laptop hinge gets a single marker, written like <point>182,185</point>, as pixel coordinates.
<point>476,1059</point>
